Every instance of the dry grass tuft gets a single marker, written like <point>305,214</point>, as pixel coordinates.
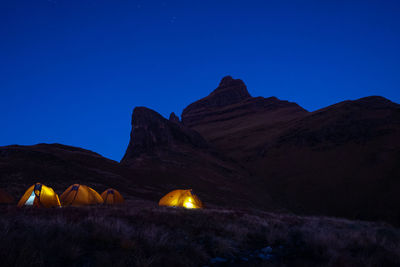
<point>139,234</point>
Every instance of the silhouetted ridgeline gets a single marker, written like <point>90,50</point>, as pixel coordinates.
<point>235,150</point>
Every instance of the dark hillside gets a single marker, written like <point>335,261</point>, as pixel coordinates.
<point>343,160</point>
<point>141,234</point>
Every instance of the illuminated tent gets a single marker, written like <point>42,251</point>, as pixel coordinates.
<point>39,195</point>
<point>5,198</point>
<point>181,198</point>
<point>77,195</point>
<point>112,196</point>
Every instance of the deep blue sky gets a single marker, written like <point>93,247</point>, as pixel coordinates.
<point>71,71</point>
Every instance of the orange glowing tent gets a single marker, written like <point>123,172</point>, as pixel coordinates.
<point>5,198</point>
<point>181,198</point>
<point>112,196</point>
<point>78,195</point>
<point>39,195</point>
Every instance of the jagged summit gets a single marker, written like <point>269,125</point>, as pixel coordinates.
<point>151,132</point>
<point>179,157</point>
<point>174,118</point>
<point>229,91</point>
<point>228,81</point>
<point>232,94</point>
<point>225,81</point>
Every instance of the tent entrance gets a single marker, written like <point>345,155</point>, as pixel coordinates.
<point>31,199</point>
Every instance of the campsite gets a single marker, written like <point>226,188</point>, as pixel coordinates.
<point>141,233</point>
<point>41,196</point>
<point>168,133</point>
<point>173,232</point>
<point>176,200</point>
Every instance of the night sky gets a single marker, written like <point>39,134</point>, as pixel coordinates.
<point>71,71</point>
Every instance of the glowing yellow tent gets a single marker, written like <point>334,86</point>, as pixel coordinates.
<point>77,195</point>
<point>39,195</point>
<point>112,196</point>
<point>181,198</point>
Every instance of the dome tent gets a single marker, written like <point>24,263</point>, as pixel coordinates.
<point>181,198</point>
<point>5,198</point>
<point>39,195</point>
<point>112,196</point>
<point>78,195</point>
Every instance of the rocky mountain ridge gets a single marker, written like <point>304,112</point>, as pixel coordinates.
<point>242,151</point>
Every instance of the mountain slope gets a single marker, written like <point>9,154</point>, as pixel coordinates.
<point>179,157</point>
<point>342,160</point>
<point>59,166</point>
<point>240,124</point>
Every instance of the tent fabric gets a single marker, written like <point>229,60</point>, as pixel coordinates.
<point>181,198</point>
<point>39,195</point>
<point>78,195</point>
<point>5,198</point>
<point>112,196</point>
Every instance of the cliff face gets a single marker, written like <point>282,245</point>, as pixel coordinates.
<point>178,156</point>
<point>152,135</point>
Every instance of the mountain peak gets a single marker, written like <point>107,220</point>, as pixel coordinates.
<point>174,118</point>
<point>152,133</point>
<point>232,94</point>
<point>234,89</point>
<point>228,81</point>
<point>230,91</point>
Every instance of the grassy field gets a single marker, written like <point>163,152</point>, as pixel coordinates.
<point>142,234</point>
